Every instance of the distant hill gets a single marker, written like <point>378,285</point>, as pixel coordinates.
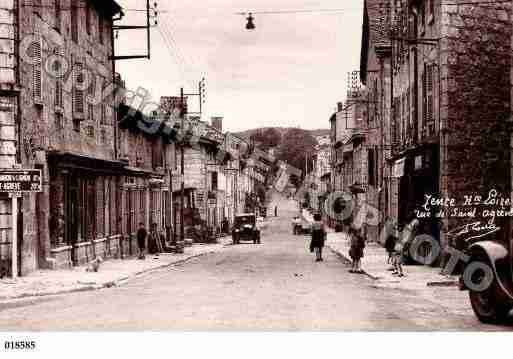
<point>247,134</point>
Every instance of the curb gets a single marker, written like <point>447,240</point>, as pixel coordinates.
<point>346,259</point>
<point>90,286</point>
<point>446,283</point>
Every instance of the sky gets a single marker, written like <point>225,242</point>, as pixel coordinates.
<point>290,71</point>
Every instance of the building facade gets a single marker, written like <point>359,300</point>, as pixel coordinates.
<point>437,89</point>
<point>58,88</point>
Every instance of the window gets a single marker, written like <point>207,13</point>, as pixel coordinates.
<point>76,125</point>
<point>88,18</point>
<point>157,158</point>
<point>57,14</point>
<point>90,112</point>
<point>59,121</point>
<point>78,93</point>
<point>214,181</point>
<point>103,117</point>
<point>90,131</point>
<point>58,93</point>
<point>74,21</point>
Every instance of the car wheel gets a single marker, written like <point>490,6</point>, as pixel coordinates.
<point>487,307</point>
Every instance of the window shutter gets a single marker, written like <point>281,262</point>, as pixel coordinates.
<point>58,93</point>
<point>92,85</point>
<point>57,5</point>
<point>88,18</point>
<point>78,92</point>
<point>100,28</point>
<point>429,98</point>
<point>37,56</point>
<point>90,112</point>
<point>58,80</point>
<point>102,114</point>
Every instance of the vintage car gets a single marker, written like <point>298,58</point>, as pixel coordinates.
<point>245,228</point>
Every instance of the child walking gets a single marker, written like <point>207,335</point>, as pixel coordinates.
<point>406,236</point>
<point>356,249</point>
<point>318,237</point>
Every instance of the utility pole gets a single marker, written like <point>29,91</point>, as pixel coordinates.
<point>182,168</point>
<point>183,112</point>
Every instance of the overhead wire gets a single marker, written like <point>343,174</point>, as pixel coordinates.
<point>177,52</point>
<point>173,29</point>
<point>171,52</point>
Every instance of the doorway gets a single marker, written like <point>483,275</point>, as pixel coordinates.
<point>72,211</point>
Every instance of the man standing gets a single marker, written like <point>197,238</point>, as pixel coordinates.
<point>141,239</point>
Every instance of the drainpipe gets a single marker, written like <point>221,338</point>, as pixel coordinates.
<point>415,77</point>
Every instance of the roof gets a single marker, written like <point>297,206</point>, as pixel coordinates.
<point>374,31</point>
<point>112,7</point>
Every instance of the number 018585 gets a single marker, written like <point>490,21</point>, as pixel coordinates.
<point>20,345</point>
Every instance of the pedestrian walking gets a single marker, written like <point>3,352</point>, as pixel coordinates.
<point>407,236</point>
<point>318,237</point>
<point>141,240</point>
<point>296,225</point>
<point>357,234</point>
<point>356,249</point>
<point>390,248</point>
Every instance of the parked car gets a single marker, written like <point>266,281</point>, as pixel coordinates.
<point>245,228</point>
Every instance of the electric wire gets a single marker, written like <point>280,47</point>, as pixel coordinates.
<point>178,53</point>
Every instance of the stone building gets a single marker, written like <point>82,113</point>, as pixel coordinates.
<point>58,91</point>
<point>443,90</point>
<point>349,155</point>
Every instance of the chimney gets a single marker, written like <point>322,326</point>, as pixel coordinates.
<point>217,123</point>
<point>339,106</point>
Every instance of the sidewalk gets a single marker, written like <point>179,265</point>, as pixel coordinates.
<point>112,272</point>
<point>375,265</point>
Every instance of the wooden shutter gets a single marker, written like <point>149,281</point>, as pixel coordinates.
<point>90,112</point>
<point>58,93</point>
<point>429,88</point>
<point>429,116</point>
<point>100,207</point>
<point>37,79</point>
<point>88,17</point>
<point>57,6</point>
<point>78,92</point>
<point>100,27</point>
<point>74,21</point>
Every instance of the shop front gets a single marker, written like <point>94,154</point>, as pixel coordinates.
<point>416,175</point>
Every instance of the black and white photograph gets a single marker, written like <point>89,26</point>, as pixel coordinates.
<point>255,166</point>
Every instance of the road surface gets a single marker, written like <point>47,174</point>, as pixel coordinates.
<point>272,286</point>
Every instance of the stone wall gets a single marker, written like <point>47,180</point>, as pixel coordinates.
<point>48,125</point>
<point>476,98</point>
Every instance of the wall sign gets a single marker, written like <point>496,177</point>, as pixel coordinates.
<point>24,180</point>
